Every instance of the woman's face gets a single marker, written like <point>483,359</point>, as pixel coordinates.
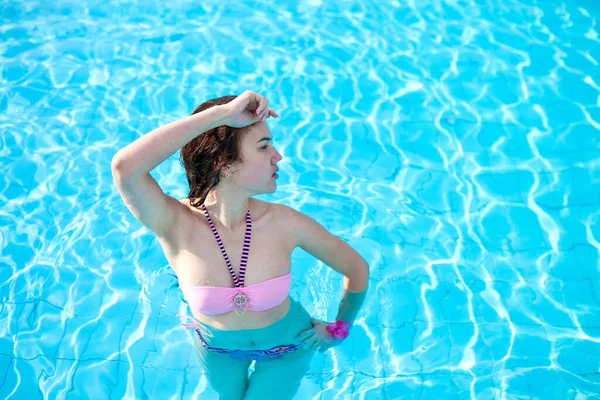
<point>259,160</point>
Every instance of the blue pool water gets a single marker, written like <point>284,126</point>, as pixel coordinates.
<point>454,144</point>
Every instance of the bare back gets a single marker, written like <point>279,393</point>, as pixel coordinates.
<point>194,255</point>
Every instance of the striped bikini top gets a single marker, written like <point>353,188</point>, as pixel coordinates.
<point>261,296</point>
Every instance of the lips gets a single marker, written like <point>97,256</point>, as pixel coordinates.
<point>275,171</point>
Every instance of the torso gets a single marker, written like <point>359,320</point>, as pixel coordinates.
<point>194,255</point>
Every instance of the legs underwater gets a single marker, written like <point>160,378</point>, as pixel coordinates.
<point>280,363</point>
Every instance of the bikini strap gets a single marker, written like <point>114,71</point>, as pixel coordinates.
<point>195,324</point>
<point>238,282</point>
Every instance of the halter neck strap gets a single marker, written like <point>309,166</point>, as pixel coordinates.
<point>239,282</point>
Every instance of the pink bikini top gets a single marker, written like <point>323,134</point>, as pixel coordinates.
<point>261,296</point>
<point>211,300</point>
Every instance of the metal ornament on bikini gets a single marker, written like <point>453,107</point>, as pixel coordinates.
<point>240,300</point>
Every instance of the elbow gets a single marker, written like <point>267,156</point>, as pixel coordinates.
<point>359,279</point>
<point>118,166</point>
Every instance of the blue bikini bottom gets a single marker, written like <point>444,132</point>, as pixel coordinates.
<point>271,353</point>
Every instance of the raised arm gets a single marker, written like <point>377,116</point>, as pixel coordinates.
<point>131,165</point>
<point>131,168</point>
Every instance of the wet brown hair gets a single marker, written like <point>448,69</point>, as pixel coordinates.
<point>205,155</point>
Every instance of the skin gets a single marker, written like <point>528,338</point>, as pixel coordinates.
<point>277,230</point>
<point>250,177</point>
<point>194,253</point>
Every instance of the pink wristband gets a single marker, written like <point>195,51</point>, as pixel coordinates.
<point>338,329</point>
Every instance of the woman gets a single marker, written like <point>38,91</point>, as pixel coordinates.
<point>242,312</point>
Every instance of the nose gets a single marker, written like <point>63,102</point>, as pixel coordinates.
<point>278,156</point>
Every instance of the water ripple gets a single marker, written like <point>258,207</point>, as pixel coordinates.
<point>454,144</point>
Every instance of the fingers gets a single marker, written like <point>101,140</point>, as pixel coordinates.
<point>307,339</point>
<point>265,111</point>
<point>305,335</point>
<point>310,343</point>
<point>269,113</point>
<point>261,105</point>
<point>253,100</point>
<point>324,348</point>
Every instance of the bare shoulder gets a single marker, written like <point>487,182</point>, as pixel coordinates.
<point>294,223</point>
<point>273,213</point>
<point>280,212</point>
<point>306,232</point>
<point>279,219</point>
<point>312,237</point>
<point>284,213</point>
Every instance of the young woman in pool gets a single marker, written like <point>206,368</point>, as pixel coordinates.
<point>231,252</point>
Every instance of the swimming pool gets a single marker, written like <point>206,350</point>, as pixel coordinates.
<point>455,145</point>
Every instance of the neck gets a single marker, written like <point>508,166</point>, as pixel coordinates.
<point>228,208</point>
